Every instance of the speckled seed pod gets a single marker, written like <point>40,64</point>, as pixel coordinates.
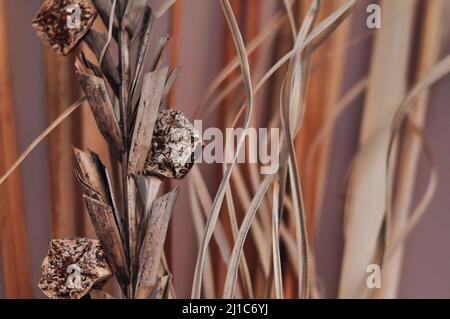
<point>72,268</point>
<point>173,146</point>
<point>62,23</point>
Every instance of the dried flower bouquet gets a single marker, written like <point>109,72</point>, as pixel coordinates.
<point>148,142</point>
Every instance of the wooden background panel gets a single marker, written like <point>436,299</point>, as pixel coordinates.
<point>29,95</point>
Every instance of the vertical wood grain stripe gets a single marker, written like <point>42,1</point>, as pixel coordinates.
<point>64,199</point>
<point>13,232</point>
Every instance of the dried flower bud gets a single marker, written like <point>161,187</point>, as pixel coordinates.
<point>173,146</point>
<point>62,23</point>
<point>72,268</point>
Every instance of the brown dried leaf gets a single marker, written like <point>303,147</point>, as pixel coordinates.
<point>93,173</point>
<point>159,53</point>
<point>132,221</point>
<point>147,113</point>
<point>102,218</point>
<point>132,15</point>
<point>95,179</point>
<point>153,244</point>
<point>96,42</point>
<point>148,187</point>
<point>104,10</point>
<point>144,38</point>
<point>173,74</point>
<point>95,90</point>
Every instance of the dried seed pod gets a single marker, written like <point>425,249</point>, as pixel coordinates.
<point>72,268</point>
<point>174,142</point>
<point>62,23</point>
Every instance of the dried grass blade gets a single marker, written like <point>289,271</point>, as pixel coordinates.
<point>418,212</point>
<point>272,27</point>
<point>144,38</point>
<point>431,43</point>
<point>231,277</point>
<point>209,289</point>
<point>104,10</point>
<point>159,53</point>
<point>164,7</point>
<point>96,179</point>
<point>95,89</point>
<point>292,96</point>
<point>106,228</point>
<point>93,173</point>
<point>132,223</point>
<point>257,231</point>
<point>40,138</point>
<point>153,244</point>
<point>173,74</point>
<point>132,15</point>
<point>215,209</point>
<point>325,128</point>
<point>276,256</point>
<point>97,42</point>
<point>326,26</point>
<point>243,266</point>
<point>206,202</point>
<point>147,112</point>
<point>437,72</point>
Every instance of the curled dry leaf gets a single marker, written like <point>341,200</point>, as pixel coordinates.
<point>97,94</point>
<point>104,10</point>
<point>96,41</point>
<point>72,268</point>
<point>174,144</point>
<point>147,114</point>
<point>155,231</point>
<point>107,230</point>
<point>62,23</point>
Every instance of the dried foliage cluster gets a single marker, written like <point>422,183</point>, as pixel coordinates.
<point>148,144</point>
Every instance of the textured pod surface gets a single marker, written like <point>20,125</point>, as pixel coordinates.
<point>72,268</point>
<point>173,146</point>
<point>62,23</point>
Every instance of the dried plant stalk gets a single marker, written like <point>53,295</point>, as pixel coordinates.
<point>104,222</point>
<point>95,89</point>
<point>152,246</point>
